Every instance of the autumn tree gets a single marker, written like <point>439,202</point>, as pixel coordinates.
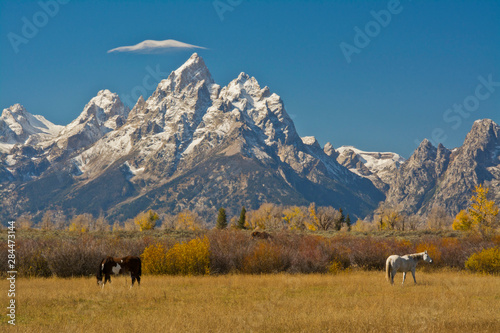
<point>188,220</point>
<point>314,221</point>
<point>388,218</point>
<point>47,222</point>
<point>268,216</point>
<point>146,220</point>
<point>364,226</point>
<point>462,221</point>
<point>414,222</point>
<point>24,221</point>
<point>484,212</point>
<point>116,227</point>
<point>221,219</point>
<point>322,218</point>
<point>168,221</point>
<point>81,223</point>
<point>481,217</point>
<point>438,219</point>
<point>101,224</point>
<point>294,217</point>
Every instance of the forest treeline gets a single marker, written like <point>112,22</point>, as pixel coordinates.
<point>481,218</point>
<point>293,242</point>
<point>42,253</point>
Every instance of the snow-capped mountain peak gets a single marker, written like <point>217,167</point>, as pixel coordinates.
<point>18,126</point>
<point>102,114</point>
<point>102,107</point>
<point>192,71</point>
<point>195,145</point>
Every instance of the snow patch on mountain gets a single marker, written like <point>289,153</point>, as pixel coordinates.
<point>18,126</point>
<point>379,167</point>
<point>103,114</point>
<point>376,162</point>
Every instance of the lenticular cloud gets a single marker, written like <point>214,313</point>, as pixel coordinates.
<point>155,46</point>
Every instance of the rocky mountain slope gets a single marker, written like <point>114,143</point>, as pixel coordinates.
<point>379,168</point>
<point>192,144</point>
<point>437,176</point>
<point>196,145</point>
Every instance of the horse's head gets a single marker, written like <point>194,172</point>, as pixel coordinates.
<point>426,257</point>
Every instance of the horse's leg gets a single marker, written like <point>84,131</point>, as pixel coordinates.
<point>413,273</point>
<point>393,274</point>
<point>404,278</point>
<point>138,277</point>
<point>133,280</point>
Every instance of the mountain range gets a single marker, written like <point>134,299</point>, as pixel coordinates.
<point>196,145</point>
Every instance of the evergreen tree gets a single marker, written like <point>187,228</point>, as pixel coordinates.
<point>340,221</point>
<point>221,219</point>
<point>348,222</point>
<point>242,220</point>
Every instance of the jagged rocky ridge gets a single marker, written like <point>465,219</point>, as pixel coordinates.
<point>379,168</point>
<point>442,177</point>
<point>192,144</point>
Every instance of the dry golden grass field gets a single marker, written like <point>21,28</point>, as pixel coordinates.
<point>357,301</point>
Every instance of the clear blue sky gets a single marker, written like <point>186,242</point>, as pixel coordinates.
<point>394,91</point>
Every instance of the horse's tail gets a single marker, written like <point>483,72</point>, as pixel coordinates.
<point>388,269</point>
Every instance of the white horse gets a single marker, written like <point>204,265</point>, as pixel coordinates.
<point>404,264</point>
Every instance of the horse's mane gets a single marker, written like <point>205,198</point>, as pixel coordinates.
<point>417,256</point>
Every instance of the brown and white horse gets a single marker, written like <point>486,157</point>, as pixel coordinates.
<point>110,265</point>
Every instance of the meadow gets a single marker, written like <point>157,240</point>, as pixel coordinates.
<point>350,301</point>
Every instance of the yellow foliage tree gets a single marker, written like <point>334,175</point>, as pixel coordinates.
<point>389,219</point>
<point>187,220</point>
<point>482,216</point>
<point>146,220</point>
<point>392,219</point>
<point>268,216</point>
<point>81,223</point>
<point>462,222</point>
<point>486,261</point>
<point>191,258</point>
<point>294,218</point>
<point>483,212</point>
<point>314,218</point>
<point>154,259</point>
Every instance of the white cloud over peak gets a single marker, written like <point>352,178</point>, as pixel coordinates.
<point>156,46</point>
